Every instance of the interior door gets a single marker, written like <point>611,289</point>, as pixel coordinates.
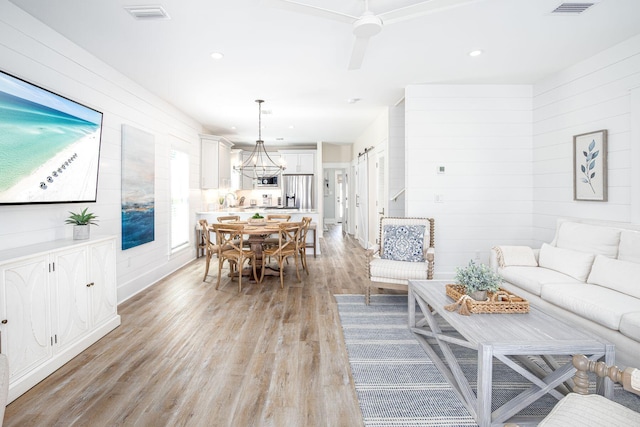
<point>339,199</point>
<point>362,202</point>
<point>381,188</point>
<point>346,222</point>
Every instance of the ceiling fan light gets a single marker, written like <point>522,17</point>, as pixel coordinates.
<point>367,26</point>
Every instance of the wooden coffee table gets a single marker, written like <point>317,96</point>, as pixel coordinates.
<point>508,338</point>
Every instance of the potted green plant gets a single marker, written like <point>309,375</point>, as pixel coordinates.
<point>257,219</point>
<point>81,222</point>
<point>478,279</point>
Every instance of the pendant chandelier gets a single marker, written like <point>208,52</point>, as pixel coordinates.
<point>259,164</point>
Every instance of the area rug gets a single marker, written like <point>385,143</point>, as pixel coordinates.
<point>396,382</point>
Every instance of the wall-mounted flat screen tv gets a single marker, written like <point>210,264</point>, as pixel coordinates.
<point>49,146</point>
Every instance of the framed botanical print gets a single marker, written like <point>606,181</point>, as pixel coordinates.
<point>590,166</point>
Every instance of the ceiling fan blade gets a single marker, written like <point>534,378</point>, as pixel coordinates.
<point>308,9</point>
<point>419,9</point>
<point>357,54</point>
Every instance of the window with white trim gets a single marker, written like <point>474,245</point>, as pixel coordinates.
<point>179,171</point>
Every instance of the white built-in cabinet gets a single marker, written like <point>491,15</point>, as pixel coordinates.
<point>215,162</point>
<point>298,162</point>
<point>56,299</point>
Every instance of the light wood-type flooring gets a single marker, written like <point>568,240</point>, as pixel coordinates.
<point>189,355</point>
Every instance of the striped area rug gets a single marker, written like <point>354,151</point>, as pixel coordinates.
<point>396,382</point>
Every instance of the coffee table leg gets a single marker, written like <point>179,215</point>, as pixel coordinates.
<point>412,309</point>
<point>485,377</point>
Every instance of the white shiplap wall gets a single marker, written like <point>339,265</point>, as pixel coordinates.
<point>482,135</point>
<point>591,95</point>
<point>34,52</point>
<point>396,159</point>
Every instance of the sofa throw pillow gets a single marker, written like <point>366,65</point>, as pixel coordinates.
<point>621,276</point>
<point>572,263</point>
<point>403,242</point>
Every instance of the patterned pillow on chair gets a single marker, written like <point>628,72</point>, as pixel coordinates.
<point>403,242</point>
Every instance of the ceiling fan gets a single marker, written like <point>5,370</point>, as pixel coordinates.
<point>369,24</point>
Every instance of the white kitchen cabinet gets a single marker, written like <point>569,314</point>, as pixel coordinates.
<point>299,162</point>
<point>56,299</point>
<point>215,162</point>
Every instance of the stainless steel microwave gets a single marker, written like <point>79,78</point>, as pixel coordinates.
<point>267,181</point>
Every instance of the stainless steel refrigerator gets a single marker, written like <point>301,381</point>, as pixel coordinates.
<point>299,191</point>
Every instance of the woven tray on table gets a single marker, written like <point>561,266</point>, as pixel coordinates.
<point>499,302</point>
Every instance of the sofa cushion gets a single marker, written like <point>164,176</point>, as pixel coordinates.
<point>531,279</point>
<point>630,325</point>
<point>403,242</point>
<point>589,238</point>
<point>621,276</point>
<point>629,246</point>
<point>601,305</point>
<point>572,263</point>
<point>399,270</point>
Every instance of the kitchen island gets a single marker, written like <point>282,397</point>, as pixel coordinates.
<point>247,212</point>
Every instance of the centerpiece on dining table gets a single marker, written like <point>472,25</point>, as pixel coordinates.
<point>257,219</point>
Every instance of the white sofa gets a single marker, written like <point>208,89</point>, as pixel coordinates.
<point>588,275</point>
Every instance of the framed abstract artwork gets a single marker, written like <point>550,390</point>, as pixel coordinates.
<point>138,187</point>
<point>590,166</point>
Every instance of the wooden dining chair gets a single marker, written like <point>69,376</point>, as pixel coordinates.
<point>271,242</point>
<point>302,242</point>
<point>229,238</point>
<point>288,235</point>
<point>279,217</point>
<point>209,247</point>
<point>228,218</point>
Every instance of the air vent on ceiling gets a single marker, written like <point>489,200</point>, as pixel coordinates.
<point>147,12</point>
<point>572,8</point>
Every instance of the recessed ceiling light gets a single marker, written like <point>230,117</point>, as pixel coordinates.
<point>475,53</point>
<point>353,100</point>
<point>217,55</point>
<point>291,127</point>
<point>233,127</point>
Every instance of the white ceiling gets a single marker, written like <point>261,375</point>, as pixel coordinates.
<point>298,63</point>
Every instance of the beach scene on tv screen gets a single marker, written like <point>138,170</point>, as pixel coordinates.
<point>49,146</point>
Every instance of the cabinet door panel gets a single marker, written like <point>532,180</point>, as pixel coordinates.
<point>26,335</point>
<point>306,163</point>
<point>209,164</point>
<point>70,301</point>
<point>104,298</point>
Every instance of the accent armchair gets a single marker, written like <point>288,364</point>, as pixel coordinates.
<point>590,410</point>
<point>405,251</point>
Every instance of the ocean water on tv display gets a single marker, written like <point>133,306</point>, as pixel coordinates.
<point>30,134</point>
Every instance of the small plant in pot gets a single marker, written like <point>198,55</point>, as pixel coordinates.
<point>478,280</point>
<point>81,222</point>
<point>257,219</point>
